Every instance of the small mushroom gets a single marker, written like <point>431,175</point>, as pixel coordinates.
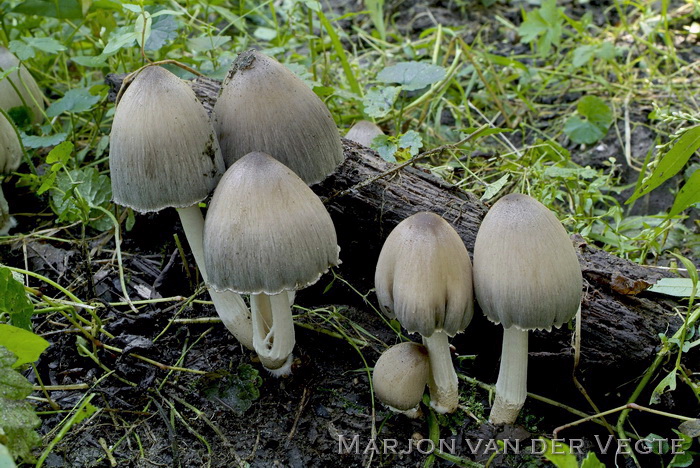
<point>10,159</point>
<point>424,279</point>
<point>264,107</point>
<point>164,153</point>
<point>400,376</point>
<point>526,277</point>
<point>267,233</point>
<point>363,132</point>
<point>19,89</point>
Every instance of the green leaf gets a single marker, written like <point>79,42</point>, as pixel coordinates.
<point>33,141</point>
<point>22,50</point>
<point>676,287</point>
<point>386,147</point>
<point>494,188</point>
<point>238,391</point>
<point>667,382</point>
<point>681,460</point>
<point>543,25</point>
<point>163,30</point>
<point>24,344</point>
<point>79,191</point>
<point>17,417</point>
<point>412,141</point>
<point>60,154</point>
<point>265,34</point>
<point>63,9</point>
<point>119,40</point>
<point>672,162</point>
<point>412,75</point>
<point>45,44</point>
<point>688,195</point>
<point>592,122</point>
<point>142,27</point>
<point>76,101</point>
<point>691,428</point>
<point>93,61</point>
<point>14,301</point>
<point>582,55</point>
<point>378,102</point>
<point>559,454</point>
<point>205,43</point>
<point>591,461</point>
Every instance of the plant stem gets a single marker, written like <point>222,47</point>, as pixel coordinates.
<point>273,331</point>
<point>444,397</point>
<point>229,305</point>
<point>511,387</point>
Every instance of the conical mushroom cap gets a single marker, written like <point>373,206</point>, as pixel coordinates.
<point>526,273</point>
<point>424,276</point>
<point>163,149</point>
<point>400,375</point>
<point>266,231</point>
<point>10,148</point>
<point>24,82</point>
<point>363,132</point>
<point>264,107</point>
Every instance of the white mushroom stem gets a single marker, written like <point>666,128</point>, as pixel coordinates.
<point>230,306</point>
<point>273,331</point>
<point>444,396</point>
<point>511,387</point>
<point>6,221</point>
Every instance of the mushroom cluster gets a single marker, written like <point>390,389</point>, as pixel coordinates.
<point>424,280</point>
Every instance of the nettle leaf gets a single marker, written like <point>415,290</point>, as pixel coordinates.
<point>378,102</point>
<point>592,122</point>
<point>17,417</point>
<point>75,100</point>
<point>25,345</point>
<point>14,301</point>
<point>412,75</point>
<point>63,9</point>
<point>672,162</point>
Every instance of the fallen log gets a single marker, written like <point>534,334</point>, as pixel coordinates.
<point>620,322</point>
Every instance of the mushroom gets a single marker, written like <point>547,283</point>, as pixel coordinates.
<point>264,107</point>
<point>10,158</point>
<point>163,153</point>
<point>19,89</point>
<point>363,132</point>
<point>400,376</point>
<point>424,280</point>
<point>526,277</point>
<point>267,233</point>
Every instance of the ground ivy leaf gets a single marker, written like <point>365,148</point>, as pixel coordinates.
<point>412,75</point>
<point>14,301</point>
<point>378,102</point>
<point>596,111</point>
<point>412,141</point>
<point>17,417</point>
<point>386,147</point>
<point>24,344</point>
<point>582,131</point>
<point>75,100</point>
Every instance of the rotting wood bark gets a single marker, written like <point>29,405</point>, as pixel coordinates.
<point>620,322</point>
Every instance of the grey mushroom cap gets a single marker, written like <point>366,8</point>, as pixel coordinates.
<point>526,272</point>
<point>266,231</point>
<point>10,147</point>
<point>401,374</point>
<point>263,106</point>
<point>363,132</point>
<point>163,149</point>
<point>424,276</point>
<point>23,82</point>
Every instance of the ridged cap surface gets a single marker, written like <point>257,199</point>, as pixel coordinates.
<point>424,276</point>
<point>10,148</point>
<point>526,273</point>
<point>163,149</point>
<point>24,82</point>
<point>266,231</point>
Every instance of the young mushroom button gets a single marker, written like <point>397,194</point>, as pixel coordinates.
<point>164,153</point>
<point>267,233</point>
<point>424,279</point>
<point>526,277</point>
<point>400,376</point>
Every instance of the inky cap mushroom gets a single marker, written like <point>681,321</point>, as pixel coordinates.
<point>19,89</point>
<point>267,233</point>
<point>526,277</point>
<point>10,158</point>
<point>264,107</point>
<point>363,132</point>
<point>400,376</point>
<point>424,279</point>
